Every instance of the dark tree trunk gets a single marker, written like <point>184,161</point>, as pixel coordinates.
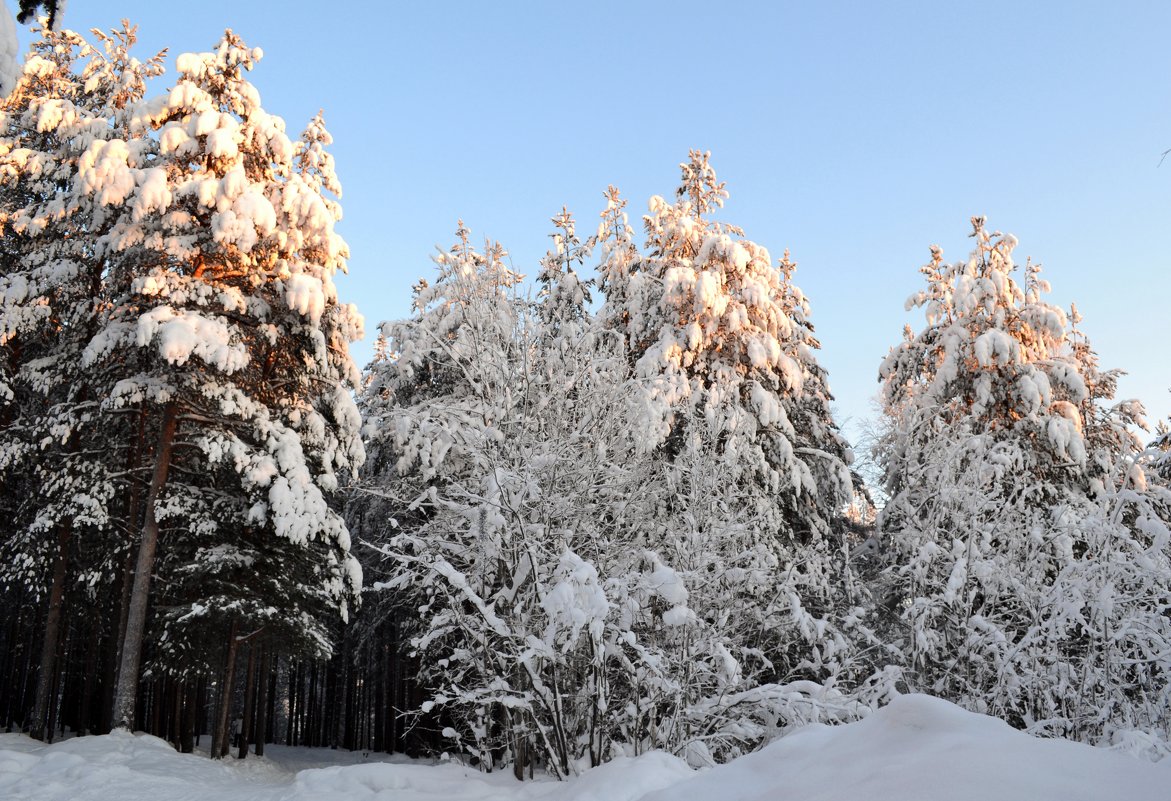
<point>377,675</point>
<point>273,695</point>
<point>292,705</point>
<point>190,709</point>
<point>176,727</point>
<point>521,756</point>
<point>41,726</point>
<point>8,663</point>
<point>220,741</point>
<point>335,703</point>
<point>22,704</point>
<point>156,709</point>
<point>92,647</point>
<point>125,698</point>
<point>311,708</point>
<point>133,524</point>
<point>249,699</point>
<point>262,700</point>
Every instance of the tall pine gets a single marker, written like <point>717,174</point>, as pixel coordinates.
<point>1029,560</point>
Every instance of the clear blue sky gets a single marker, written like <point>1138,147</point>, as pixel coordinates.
<point>854,134</point>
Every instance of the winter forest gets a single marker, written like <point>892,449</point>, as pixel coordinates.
<point>572,511</point>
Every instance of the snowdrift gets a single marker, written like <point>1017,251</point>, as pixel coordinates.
<point>915,748</point>
<point>924,748</point>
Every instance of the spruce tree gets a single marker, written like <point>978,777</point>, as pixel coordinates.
<point>734,412</point>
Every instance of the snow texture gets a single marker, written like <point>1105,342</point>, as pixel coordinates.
<point>918,747</point>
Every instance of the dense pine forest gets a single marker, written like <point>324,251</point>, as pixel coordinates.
<point>592,510</point>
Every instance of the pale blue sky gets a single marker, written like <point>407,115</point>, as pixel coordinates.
<point>854,134</point>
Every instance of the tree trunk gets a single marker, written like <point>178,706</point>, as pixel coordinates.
<point>274,696</point>
<point>520,755</point>
<point>133,513</point>
<point>177,694</point>
<point>375,673</point>
<point>126,695</point>
<point>220,740</point>
<point>187,723</point>
<point>93,642</point>
<point>289,731</point>
<point>249,699</point>
<point>262,701</point>
<point>156,727</point>
<point>52,637</point>
<point>311,709</point>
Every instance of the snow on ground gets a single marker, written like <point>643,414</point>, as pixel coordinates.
<point>916,748</point>
<point>923,748</point>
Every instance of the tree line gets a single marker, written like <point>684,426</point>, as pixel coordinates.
<point>546,526</point>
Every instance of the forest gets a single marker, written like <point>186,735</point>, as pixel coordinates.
<point>590,511</point>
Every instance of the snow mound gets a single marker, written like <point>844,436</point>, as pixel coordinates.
<point>118,766</point>
<point>916,748</point>
<point>920,747</point>
<point>129,767</point>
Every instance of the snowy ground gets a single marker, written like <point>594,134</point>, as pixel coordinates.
<point>916,748</point>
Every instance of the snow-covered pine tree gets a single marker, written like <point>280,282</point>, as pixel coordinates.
<point>222,321</point>
<point>718,330</point>
<point>70,95</point>
<point>1029,561</point>
<point>722,346</point>
<point>618,257</point>
<point>564,297</point>
<point>1158,456</point>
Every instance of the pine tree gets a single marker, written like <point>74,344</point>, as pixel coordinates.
<point>737,420</point>
<point>222,321</point>
<point>564,297</point>
<point>1017,509</point>
<point>71,94</point>
<point>719,331</point>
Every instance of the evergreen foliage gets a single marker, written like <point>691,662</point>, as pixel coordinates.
<point>168,280</point>
<point>1028,551</point>
<point>588,583</point>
